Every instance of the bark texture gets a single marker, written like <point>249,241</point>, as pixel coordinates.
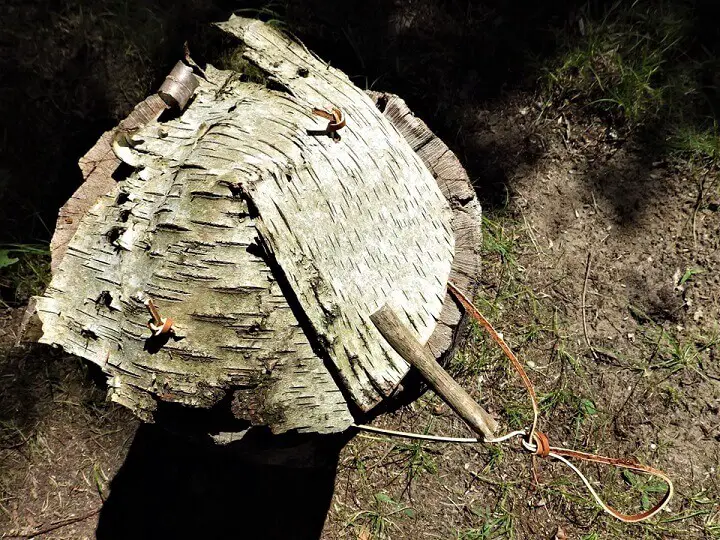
<point>97,167</point>
<point>268,246</point>
<point>455,185</point>
<point>365,223</point>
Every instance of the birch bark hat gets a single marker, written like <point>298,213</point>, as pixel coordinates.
<point>266,233</point>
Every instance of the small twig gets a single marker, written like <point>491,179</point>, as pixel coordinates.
<point>400,338</point>
<point>627,399</point>
<point>52,526</point>
<point>531,234</point>
<point>498,483</point>
<point>584,318</point>
<point>698,203</point>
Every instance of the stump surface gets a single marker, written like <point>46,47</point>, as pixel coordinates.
<point>239,224</point>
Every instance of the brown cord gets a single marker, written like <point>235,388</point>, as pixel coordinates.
<point>537,442</point>
<point>336,121</point>
<point>543,445</point>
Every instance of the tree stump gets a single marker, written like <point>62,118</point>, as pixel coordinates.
<point>268,241</point>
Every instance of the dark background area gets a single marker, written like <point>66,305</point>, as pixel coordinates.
<point>73,69</point>
<point>174,486</point>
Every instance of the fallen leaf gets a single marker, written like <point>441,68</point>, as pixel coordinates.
<point>5,259</point>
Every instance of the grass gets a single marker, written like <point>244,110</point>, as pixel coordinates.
<point>494,525</point>
<point>24,272</point>
<point>380,520</point>
<point>696,143</point>
<point>272,13</point>
<point>529,323</point>
<point>233,60</point>
<point>572,394</point>
<point>496,522</point>
<point>647,488</point>
<point>640,64</point>
<point>701,515</point>
<point>500,239</point>
<point>417,458</point>
<point>508,294</point>
<point>670,352</point>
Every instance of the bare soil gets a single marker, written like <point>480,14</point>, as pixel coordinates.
<point>60,442</point>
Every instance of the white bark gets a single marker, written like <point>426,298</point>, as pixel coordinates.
<point>347,226</point>
<point>353,224</point>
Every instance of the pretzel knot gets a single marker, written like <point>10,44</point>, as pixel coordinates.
<point>542,444</point>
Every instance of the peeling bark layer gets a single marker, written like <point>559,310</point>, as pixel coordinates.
<point>352,225</point>
<point>455,185</point>
<point>234,214</point>
<point>97,167</point>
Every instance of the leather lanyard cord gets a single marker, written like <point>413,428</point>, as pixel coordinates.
<point>535,441</point>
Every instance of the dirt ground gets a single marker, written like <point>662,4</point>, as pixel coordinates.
<point>579,212</point>
<point>650,390</point>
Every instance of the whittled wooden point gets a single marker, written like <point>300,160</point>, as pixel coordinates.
<point>268,248</point>
<point>402,340</point>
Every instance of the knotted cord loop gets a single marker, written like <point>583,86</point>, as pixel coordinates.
<point>542,445</point>
<point>536,442</point>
